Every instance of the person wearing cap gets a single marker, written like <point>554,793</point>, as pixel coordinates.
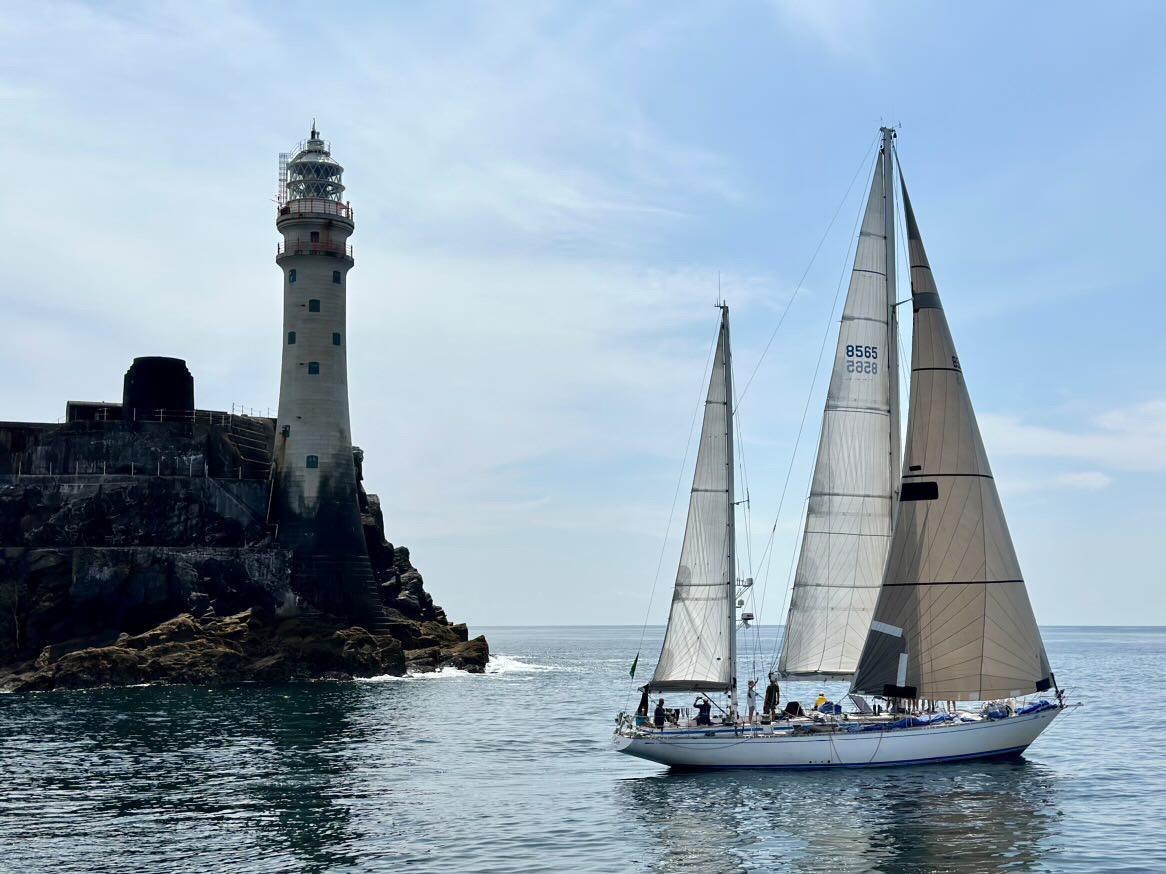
<point>658,715</point>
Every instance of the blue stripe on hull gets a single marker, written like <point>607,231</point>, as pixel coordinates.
<point>1010,752</point>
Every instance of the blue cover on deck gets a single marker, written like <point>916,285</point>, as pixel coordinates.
<point>1036,707</point>
<point>906,722</point>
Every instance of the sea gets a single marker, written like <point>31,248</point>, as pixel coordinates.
<point>512,771</point>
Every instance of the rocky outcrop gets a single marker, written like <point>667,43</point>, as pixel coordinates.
<point>118,579</point>
<point>252,646</point>
<point>429,639</point>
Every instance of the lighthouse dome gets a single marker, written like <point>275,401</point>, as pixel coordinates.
<point>312,172</point>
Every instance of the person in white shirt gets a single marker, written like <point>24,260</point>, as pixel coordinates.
<point>751,697</point>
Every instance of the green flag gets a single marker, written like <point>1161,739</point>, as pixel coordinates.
<point>635,661</point>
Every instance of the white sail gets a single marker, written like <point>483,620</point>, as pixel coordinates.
<point>953,619</point>
<point>851,502</point>
<point>698,651</point>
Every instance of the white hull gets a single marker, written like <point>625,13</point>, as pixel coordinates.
<point>842,749</point>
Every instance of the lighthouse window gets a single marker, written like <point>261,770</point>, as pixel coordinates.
<point>291,338</point>
<point>291,275</point>
<point>313,368</point>
<point>336,277</point>
<point>313,461</point>
<point>315,237</point>
<point>313,306</point>
<point>335,339</point>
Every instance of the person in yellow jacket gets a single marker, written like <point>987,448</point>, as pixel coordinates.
<point>822,699</point>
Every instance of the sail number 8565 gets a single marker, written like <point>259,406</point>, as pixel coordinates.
<point>862,359</point>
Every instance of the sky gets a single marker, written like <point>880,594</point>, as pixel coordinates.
<point>549,198</point>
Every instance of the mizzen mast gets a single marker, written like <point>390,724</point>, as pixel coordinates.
<point>731,531</point>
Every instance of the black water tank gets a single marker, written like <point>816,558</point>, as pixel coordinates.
<point>154,384</point>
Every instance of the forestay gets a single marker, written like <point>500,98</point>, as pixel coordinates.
<point>698,644</point>
<point>953,619</point>
<point>849,515</point>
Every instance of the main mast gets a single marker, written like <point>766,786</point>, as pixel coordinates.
<point>886,156</point>
<point>731,533</point>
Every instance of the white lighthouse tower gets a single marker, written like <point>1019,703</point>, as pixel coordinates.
<point>315,501</point>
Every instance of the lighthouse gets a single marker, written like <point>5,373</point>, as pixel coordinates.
<point>314,499</point>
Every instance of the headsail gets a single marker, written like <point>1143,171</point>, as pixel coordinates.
<point>699,645</point>
<point>851,504</point>
<point>953,619</point>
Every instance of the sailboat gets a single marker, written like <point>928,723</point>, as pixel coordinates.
<point>907,582</point>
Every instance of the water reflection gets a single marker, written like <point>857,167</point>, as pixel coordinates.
<point>963,817</point>
<point>692,820</point>
<point>303,796</point>
<point>268,766</point>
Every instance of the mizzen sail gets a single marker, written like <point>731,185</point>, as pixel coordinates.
<point>953,619</point>
<point>698,651</point>
<point>851,502</point>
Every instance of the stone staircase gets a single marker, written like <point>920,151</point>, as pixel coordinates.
<point>351,579</point>
<point>254,443</point>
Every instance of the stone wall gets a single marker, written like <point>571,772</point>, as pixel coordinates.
<point>152,448</point>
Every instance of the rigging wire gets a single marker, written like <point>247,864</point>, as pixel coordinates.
<point>797,288</point>
<point>748,518</point>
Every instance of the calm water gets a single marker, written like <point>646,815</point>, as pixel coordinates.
<point>512,772</point>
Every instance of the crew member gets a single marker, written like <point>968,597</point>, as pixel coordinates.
<point>772,696</point>
<point>751,698</point>
<point>658,715</point>
<point>704,711</point>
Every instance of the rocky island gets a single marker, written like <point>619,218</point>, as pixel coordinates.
<point>141,552</point>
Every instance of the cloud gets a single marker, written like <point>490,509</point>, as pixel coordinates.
<point>1131,438</point>
<point>1079,481</point>
<point>843,29</point>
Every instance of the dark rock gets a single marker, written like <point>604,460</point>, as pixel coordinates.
<point>470,656</point>
<point>247,647</point>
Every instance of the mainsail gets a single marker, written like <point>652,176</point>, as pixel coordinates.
<point>851,503</point>
<point>953,620</point>
<point>699,645</point>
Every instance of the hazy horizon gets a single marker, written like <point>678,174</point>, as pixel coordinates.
<point>547,199</point>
